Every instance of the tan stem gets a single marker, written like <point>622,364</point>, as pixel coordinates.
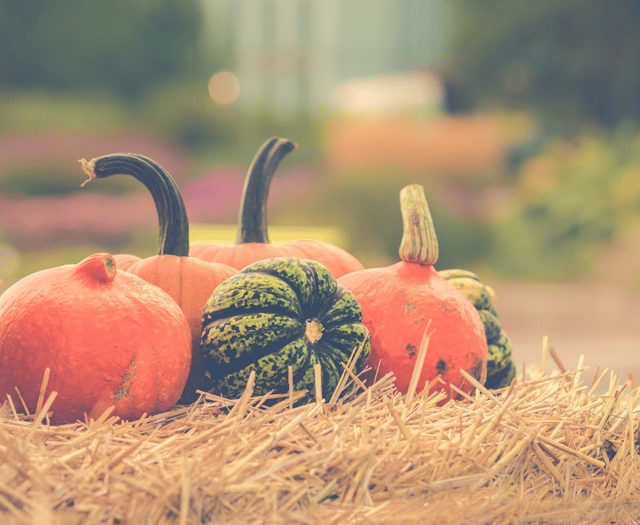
<point>313,330</point>
<point>419,243</point>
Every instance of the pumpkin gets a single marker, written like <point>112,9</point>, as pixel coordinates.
<point>399,301</point>
<point>500,367</point>
<point>109,338</point>
<point>277,313</point>
<point>188,280</point>
<point>252,241</point>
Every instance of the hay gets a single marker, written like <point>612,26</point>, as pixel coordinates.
<point>557,448</point>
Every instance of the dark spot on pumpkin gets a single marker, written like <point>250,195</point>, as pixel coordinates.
<point>411,350</point>
<point>127,380</point>
<point>476,369</point>
<point>412,308</point>
<point>441,366</point>
<point>446,308</point>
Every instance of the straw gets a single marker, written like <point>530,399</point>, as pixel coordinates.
<point>547,449</point>
<point>417,369</point>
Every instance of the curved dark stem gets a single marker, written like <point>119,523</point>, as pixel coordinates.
<point>252,219</point>
<point>172,214</point>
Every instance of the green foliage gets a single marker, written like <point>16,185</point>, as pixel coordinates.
<point>121,47</point>
<point>54,180</point>
<point>34,111</point>
<point>573,60</point>
<point>49,181</point>
<point>575,197</point>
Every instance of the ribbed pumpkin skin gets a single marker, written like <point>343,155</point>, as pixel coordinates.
<point>277,313</point>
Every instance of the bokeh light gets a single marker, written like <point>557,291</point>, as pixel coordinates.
<point>224,87</point>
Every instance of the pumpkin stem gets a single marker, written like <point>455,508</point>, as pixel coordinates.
<point>313,330</point>
<point>419,243</point>
<point>172,214</point>
<point>252,219</point>
<point>99,267</point>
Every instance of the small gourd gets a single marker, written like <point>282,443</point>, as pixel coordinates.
<point>399,301</point>
<point>500,366</point>
<point>277,313</point>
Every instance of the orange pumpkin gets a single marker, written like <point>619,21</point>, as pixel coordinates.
<point>252,242</point>
<point>400,300</point>
<point>109,338</point>
<point>188,280</point>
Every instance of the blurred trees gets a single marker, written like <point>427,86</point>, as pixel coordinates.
<point>575,61</point>
<point>120,47</point>
<point>573,64</point>
<point>575,201</point>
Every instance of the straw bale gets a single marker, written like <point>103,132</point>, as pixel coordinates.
<point>558,448</point>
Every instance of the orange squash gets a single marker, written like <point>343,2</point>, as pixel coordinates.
<point>108,338</point>
<point>252,242</point>
<point>188,280</point>
<point>400,300</point>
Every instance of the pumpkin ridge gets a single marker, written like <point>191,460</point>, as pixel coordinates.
<point>284,278</point>
<point>342,308</point>
<point>267,331</point>
<point>329,372</point>
<point>300,373</point>
<point>313,306</point>
<point>211,320</point>
<point>295,354</point>
<point>258,352</point>
<point>238,294</point>
<point>319,300</point>
<point>328,345</point>
<point>290,284</point>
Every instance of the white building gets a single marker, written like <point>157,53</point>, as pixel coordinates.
<point>289,55</point>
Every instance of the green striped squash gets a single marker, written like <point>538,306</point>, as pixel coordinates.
<point>500,367</point>
<point>277,313</point>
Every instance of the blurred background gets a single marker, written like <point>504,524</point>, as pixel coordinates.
<point>521,120</point>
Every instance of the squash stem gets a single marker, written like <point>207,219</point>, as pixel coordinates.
<point>172,214</point>
<point>313,330</point>
<point>252,219</point>
<point>419,243</point>
<point>98,267</point>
